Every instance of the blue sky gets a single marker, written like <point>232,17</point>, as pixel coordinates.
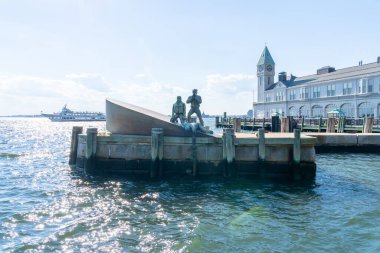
<point>148,52</point>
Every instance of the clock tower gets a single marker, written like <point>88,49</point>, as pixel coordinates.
<point>265,74</point>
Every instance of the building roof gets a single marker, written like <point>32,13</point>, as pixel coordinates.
<point>265,58</point>
<point>345,73</point>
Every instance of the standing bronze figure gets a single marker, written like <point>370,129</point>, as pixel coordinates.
<point>178,111</point>
<point>195,102</point>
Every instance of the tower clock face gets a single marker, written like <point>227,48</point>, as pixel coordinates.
<point>269,68</point>
<point>261,68</point>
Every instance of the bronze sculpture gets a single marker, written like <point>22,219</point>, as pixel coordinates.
<point>178,111</point>
<point>195,100</point>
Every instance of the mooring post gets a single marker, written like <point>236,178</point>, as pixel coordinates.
<point>261,144</point>
<point>297,146</point>
<point>74,144</point>
<point>297,155</point>
<point>90,148</point>
<point>368,125</point>
<point>284,125</point>
<point>264,122</point>
<point>157,152</point>
<point>320,125</point>
<point>216,122</point>
<point>229,152</point>
<point>237,125</point>
<point>302,123</point>
<point>330,125</point>
<point>341,124</point>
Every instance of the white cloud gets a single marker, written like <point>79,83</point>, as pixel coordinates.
<point>229,93</point>
<point>91,81</point>
<point>87,91</point>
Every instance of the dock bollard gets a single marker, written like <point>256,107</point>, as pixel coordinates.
<point>284,125</point>
<point>330,125</point>
<point>74,144</point>
<point>229,152</point>
<point>368,125</point>
<point>261,144</point>
<point>157,152</point>
<point>237,125</point>
<point>90,148</point>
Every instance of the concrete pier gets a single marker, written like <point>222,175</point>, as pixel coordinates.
<point>230,154</point>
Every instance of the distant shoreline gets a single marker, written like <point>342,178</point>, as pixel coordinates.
<point>21,116</point>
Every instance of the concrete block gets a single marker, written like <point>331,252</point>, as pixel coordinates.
<point>209,153</point>
<point>308,154</point>
<point>247,153</point>
<point>338,139</point>
<point>277,154</point>
<point>368,139</point>
<point>178,152</point>
<point>126,151</point>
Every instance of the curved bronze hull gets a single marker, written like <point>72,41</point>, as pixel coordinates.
<point>124,118</point>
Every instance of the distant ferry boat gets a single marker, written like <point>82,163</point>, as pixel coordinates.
<point>69,115</point>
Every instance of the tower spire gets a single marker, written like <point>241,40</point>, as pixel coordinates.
<point>265,58</point>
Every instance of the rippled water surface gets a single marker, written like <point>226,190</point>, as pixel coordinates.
<point>45,206</point>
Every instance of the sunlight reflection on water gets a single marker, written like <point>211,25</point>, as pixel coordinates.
<point>46,206</point>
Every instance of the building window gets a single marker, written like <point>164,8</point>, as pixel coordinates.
<point>316,92</point>
<point>331,90</point>
<point>362,87</point>
<point>347,88</point>
<point>279,96</point>
<point>370,85</point>
<point>267,97</point>
<point>292,95</point>
<point>304,94</point>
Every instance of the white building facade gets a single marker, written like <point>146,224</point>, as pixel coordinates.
<point>354,90</point>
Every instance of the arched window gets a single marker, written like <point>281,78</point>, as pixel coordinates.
<point>292,111</point>
<point>348,110</point>
<point>365,109</point>
<point>304,111</point>
<point>316,111</point>
<point>329,108</point>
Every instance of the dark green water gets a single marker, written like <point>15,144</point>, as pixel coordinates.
<point>47,207</point>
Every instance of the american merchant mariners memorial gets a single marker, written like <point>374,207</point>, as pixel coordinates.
<point>353,90</point>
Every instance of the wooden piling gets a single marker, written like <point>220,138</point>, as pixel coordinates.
<point>263,122</point>
<point>90,148</point>
<point>284,125</point>
<point>302,123</point>
<point>157,152</point>
<point>237,125</point>
<point>216,122</point>
<point>297,146</point>
<point>229,152</point>
<point>74,144</point>
<point>261,144</point>
<point>341,124</point>
<point>330,125</point>
<point>320,125</point>
<point>368,125</point>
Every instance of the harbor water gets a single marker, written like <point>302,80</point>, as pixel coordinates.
<point>45,206</point>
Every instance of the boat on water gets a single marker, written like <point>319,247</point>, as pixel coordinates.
<point>68,115</point>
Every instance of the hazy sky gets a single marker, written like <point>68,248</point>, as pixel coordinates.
<point>148,52</point>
